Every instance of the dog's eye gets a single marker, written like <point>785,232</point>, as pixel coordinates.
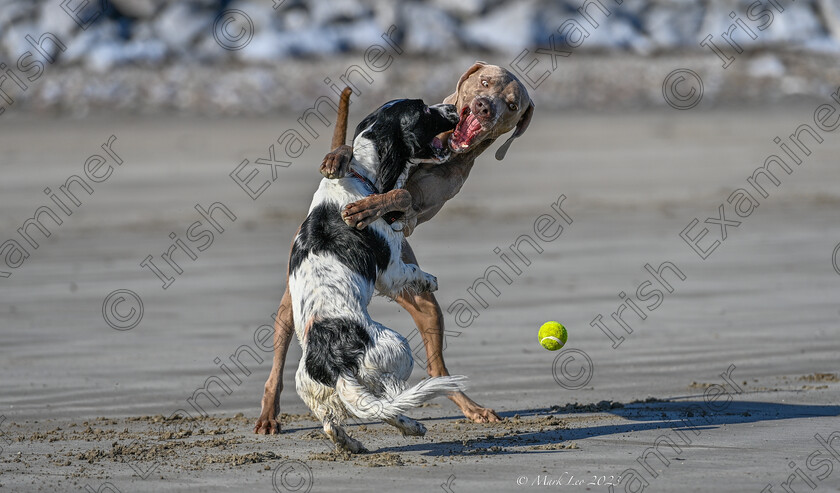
<point>426,110</point>
<point>513,106</point>
<point>485,83</point>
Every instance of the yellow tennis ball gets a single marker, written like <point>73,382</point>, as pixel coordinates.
<point>552,335</point>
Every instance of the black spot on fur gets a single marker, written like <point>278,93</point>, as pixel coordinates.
<point>324,231</point>
<point>335,347</point>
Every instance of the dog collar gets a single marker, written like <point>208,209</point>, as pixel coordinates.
<point>389,218</point>
<point>368,184</point>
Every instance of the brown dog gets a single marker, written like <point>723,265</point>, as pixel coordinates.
<point>491,102</point>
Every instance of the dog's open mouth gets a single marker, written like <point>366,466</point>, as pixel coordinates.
<point>465,132</point>
<point>439,151</point>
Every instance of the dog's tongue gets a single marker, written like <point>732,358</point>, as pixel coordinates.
<point>468,127</point>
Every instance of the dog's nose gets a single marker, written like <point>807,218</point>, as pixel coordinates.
<point>483,108</point>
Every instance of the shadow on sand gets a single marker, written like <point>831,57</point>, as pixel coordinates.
<point>688,416</point>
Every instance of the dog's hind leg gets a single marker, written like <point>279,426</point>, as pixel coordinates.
<point>341,439</point>
<point>407,426</point>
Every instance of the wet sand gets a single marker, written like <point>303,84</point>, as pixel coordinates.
<point>732,374</point>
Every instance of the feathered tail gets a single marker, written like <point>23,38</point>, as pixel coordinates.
<point>360,402</point>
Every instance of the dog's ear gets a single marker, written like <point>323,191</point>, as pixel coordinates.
<point>453,98</point>
<point>521,126</point>
<point>392,150</point>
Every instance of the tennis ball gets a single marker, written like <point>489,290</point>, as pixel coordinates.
<point>552,335</point>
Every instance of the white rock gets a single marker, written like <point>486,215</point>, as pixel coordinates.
<point>180,24</point>
<point>262,14</point>
<point>674,26</point>
<point>53,19</point>
<point>84,42</point>
<point>324,12</point>
<point>613,33</point>
<point>385,12</point>
<point>105,56</point>
<point>312,41</point>
<point>716,20</point>
<point>296,19</point>
<point>360,35</point>
<point>508,29</point>
<point>462,8</point>
<point>14,11</point>
<point>265,47</point>
<point>797,24</point>
<point>430,30</point>
<point>766,66</point>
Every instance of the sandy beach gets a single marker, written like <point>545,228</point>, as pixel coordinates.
<point>729,383</point>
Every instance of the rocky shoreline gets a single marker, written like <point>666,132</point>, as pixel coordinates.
<point>250,58</point>
<point>598,82</point>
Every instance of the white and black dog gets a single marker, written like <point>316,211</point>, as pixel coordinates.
<point>353,366</point>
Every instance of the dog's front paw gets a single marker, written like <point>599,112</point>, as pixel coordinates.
<point>335,163</point>
<point>430,283</point>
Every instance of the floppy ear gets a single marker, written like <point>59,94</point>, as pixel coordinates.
<point>392,150</point>
<point>521,127</point>
<point>452,98</point>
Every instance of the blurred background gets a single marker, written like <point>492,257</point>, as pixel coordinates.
<point>255,57</point>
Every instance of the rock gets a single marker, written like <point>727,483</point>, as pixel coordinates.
<point>614,33</point>
<point>139,9</point>
<point>798,23</point>
<point>325,12</point>
<point>52,19</point>
<point>829,13</point>
<point>14,39</point>
<point>674,26</point>
<point>508,29</point>
<point>82,47</point>
<point>716,20</point>
<point>261,14</point>
<point>16,11</point>
<point>429,29</point>
<point>265,47</point>
<point>464,9</point>
<point>359,36</point>
<point>766,66</point>
<point>106,55</point>
<point>179,24</point>
<point>385,12</point>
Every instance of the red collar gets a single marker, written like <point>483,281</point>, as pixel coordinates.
<point>368,184</point>
<point>389,218</point>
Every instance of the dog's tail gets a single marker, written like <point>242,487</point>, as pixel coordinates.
<point>340,133</point>
<point>360,402</point>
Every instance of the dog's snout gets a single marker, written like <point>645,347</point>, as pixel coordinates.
<point>448,111</point>
<point>483,108</point>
